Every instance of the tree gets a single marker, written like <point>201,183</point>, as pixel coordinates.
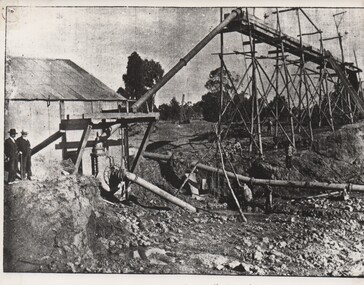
<point>153,72</point>
<point>134,77</point>
<point>211,101</point>
<point>210,107</point>
<point>141,75</point>
<point>170,111</point>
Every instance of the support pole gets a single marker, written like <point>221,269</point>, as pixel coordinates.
<point>277,95</point>
<point>227,180</point>
<point>309,113</point>
<point>142,145</point>
<point>62,115</point>
<point>221,74</point>
<point>328,99</point>
<point>156,190</point>
<point>320,99</point>
<point>287,81</point>
<point>302,64</point>
<point>82,146</point>
<point>221,93</point>
<point>359,77</point>
<point>255,101</point>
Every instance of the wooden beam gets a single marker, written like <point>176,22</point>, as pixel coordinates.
<point>274,51</point>
<point>74,124</point>
<point>124,116</point>
<point>62,114</point>
<point>285,10</point>
<point>62,110</point>
<point>47,141</point>
<point>74,144</point>
<point>81,148</point>
<point>309,34</point>
<point>142,146</point>
<point>247,43</point>
<point>81,124</point>
<point>332,38</point>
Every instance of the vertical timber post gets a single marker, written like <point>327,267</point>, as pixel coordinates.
<point>328,99</point>
<point>277,94</point>
<point>221,95</point>
<point>255,101</point>
<point>303,72</point>
<point>300,101</point>
<point>62,115</point>
<point>287,81</point>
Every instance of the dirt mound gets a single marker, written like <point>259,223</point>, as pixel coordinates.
<point>49,221</point>
<point>47,168</point>
<point>345,144</point>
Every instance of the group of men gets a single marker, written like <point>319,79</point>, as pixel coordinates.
<point>13,147</point>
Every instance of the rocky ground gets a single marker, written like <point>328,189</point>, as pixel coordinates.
<point>62,224</point>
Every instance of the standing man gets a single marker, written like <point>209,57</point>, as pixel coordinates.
<point>289,154</point>
<point>11,156</point>
<point>269,126</point>
<point>23,145</point>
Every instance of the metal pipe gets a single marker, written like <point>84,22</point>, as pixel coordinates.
<point>108,132</point>
<point>183,61</point>
<point>284,183</point>
<point>156,190</point>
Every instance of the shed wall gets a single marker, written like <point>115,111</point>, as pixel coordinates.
<point>42,120</point>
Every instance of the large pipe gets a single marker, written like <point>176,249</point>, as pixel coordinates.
<point>183,61</point>
<point>284,183</point>
<point>156,190</point>
<point>108,132</point>
<point>153,155</point>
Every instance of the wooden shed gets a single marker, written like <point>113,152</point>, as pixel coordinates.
<point>41,92</point>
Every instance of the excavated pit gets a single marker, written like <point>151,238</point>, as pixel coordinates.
<point>60,223</point>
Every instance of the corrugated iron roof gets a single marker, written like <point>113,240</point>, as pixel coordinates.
<point>53,80</point>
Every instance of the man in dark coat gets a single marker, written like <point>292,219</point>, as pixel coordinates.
<point>23,145</point>
<point>11,156</point>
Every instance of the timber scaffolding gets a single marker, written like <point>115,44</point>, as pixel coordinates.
<point>334,102</point>
<point>334,99</point>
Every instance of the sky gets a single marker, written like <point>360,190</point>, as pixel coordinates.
<point>100,39</point>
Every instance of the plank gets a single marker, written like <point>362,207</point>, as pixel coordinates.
<point>74,144</point>
<point>124,116</point>
<point>47,141</point>
<point>269,35</point>
<point>74,124</point>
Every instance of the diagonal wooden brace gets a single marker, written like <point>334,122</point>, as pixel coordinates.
<point>82,146</point>
<point>142,145</point>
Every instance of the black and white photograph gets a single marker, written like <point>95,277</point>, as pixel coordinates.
<point>183,140</point>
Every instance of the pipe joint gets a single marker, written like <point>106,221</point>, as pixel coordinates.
<point>349,187</point>
<point>184,61</point>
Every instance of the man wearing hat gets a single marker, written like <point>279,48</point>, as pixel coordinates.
<point>24,148</point>
<point>11,156</point>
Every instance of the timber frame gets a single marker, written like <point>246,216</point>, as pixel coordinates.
<point>103,122</point>
<point>332,90</point>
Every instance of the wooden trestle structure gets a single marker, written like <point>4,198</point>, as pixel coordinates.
<point>331,90</point>
<point>106,123</point>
